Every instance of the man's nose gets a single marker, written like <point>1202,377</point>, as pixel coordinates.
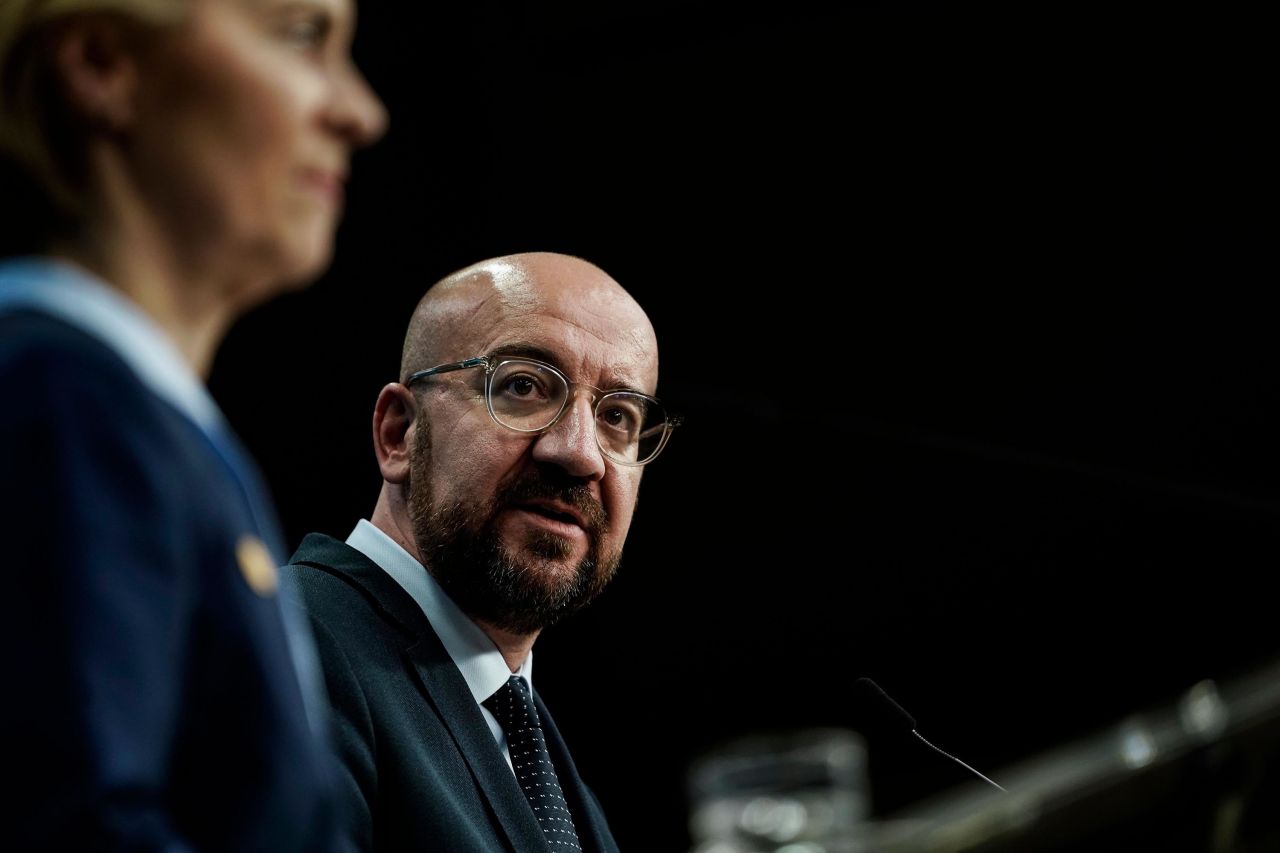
<point>570,442</point>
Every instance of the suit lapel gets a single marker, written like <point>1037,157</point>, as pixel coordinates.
<point>446,691</point>
<point>455,705</point>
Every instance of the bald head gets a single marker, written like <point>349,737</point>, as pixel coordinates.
<point>505,300</point>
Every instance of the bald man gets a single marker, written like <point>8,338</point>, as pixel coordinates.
<point>511,452</point>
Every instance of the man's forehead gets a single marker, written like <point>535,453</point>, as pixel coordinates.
<point>581,325</point>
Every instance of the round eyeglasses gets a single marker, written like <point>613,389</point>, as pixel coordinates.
<point>530,396</point>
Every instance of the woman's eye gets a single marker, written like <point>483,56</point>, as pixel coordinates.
<point>307,33</point>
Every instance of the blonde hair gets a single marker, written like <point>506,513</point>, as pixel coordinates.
<point>37,126</point>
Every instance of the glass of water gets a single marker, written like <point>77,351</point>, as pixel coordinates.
<point>803,791</point>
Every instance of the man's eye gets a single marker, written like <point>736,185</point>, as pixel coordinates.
<point>620,419</point>
<point>521,386</point>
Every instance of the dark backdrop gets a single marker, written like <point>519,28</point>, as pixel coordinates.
<point>966,313</point>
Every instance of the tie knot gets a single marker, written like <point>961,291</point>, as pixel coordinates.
<point>512,705</point>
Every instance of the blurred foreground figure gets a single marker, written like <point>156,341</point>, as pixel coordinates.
<point>165,165</point>
<point>511,451</point>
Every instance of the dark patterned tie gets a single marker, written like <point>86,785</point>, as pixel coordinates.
<point>513,706</point>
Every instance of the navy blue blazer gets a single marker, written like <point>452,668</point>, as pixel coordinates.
<point>152,701</point>
<point>422,769</point>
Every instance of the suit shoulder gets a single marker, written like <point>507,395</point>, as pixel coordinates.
<point>322,588</point>
<point>335,599</point>
<point>68,380</point>
<point>355,638</point>
<point>42,358</point>
<point>98,446</point>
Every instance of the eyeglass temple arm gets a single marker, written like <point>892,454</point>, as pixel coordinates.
<point>447,368</point>
<point>669,424</point>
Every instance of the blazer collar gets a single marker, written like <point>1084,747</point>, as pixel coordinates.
<point>444,687</point>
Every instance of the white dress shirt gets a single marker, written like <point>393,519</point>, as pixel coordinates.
<point>477,658</point>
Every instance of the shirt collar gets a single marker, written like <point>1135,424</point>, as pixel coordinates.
<point>70,293</point>
<point>475,655</point>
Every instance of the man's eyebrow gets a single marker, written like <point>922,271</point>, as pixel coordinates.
<point>526,350</point>
<point>522,349</point>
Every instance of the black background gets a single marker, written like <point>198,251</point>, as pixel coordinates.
<point>967,311</point>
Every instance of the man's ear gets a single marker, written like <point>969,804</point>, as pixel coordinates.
<point>97,62</point>
<point>393,421</point>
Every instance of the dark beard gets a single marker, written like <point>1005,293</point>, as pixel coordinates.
<point>462,550</point>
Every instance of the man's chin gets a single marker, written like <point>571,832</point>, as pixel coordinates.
<point>545,552</point>
<point>553,578</point>
<point>536,593</point>
<point>517,576</point>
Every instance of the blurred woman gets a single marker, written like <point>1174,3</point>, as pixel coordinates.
<point>167,165</point>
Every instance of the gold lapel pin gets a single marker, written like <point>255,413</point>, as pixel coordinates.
<point>256,565</point>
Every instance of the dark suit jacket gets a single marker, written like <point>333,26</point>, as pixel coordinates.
<point>423,771</point>
<point>152,702</point>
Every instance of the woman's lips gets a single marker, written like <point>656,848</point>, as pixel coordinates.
<point>329,185</point>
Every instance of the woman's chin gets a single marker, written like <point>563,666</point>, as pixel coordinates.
<point>304,261</point>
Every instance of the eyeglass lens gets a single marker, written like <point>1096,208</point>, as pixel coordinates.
<point>527,396</point>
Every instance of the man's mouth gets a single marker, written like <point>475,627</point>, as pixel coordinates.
<point>556,511</point>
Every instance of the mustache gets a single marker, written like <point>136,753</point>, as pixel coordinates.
<point>537,485</point>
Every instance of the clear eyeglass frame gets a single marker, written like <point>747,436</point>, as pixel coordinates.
<point>658,434</point>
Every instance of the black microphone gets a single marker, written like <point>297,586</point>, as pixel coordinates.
<point>894,714</point>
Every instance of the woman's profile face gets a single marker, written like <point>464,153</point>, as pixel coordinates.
<point>241,136</point>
